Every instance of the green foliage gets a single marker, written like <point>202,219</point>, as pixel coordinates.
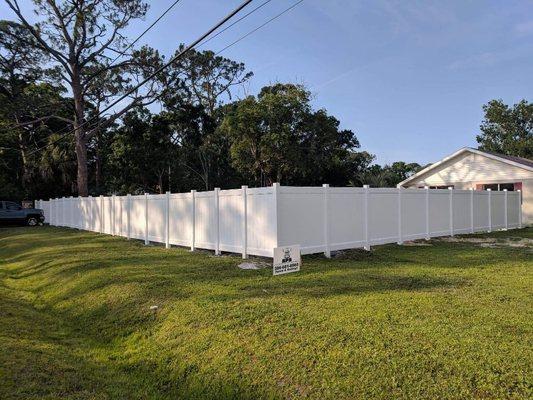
<point>277,137</point>
<point>507,130</point>
<point>440,319</point>
<point>387,176</point>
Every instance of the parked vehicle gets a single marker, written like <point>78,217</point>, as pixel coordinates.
<point>11,212</point>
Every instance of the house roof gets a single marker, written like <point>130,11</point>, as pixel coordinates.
<point>512,160</point>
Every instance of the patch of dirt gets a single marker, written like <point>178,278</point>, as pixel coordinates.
<point>515,242</point>
<point>417,243</point>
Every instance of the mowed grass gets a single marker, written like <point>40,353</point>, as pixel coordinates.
<point>446,321</point>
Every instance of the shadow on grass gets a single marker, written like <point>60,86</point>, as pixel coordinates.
<point>47,359</point>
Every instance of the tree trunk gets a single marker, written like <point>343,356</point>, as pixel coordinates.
<point>98,166</point>
<point>81,155</point>
<point>80,130</point>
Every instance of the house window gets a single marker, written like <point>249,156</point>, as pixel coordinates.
<point>442,187</point>
<point>499,186</point>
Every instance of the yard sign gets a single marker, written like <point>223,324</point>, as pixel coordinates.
<point>287,259</point>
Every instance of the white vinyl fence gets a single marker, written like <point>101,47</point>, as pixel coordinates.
<point>319,219</point>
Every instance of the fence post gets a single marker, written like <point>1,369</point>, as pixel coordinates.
<point>167,220</point>
<point>451,210</point>
<point>50,213</point>
<point>275,187</point>
<point>71,208</point>
<point>519,209</point>
<point>193,215</point>
<point>244,222</point>
<point>490,209</point>
<point>505,206</point>
<point>217,221</point>
<point>327,251</point>
<point>426,188</point>
<point>113,217</point>
<point>121,216</point>
<point>471,210</point>
<point>128,218</point>
<point>400,239</point>
<point>146,241</point>
<point>86,225</point>
<point>101,214</point>
<point>367,233</point>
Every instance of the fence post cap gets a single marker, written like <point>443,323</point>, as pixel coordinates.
<point>168,192</point>
<point>325,185</point>
<point>275,184</point>
<point>505,190</point>
<point>426,187</point>
<point>489,190</point>
<point>450,187</point>
<point>366,186</point>
<point>244,187</point>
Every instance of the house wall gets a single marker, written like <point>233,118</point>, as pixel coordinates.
<point>468,169</point>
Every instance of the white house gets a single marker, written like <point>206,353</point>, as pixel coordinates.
<point>480,170</point>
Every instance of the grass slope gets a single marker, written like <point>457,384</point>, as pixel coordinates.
<point>448,320</point>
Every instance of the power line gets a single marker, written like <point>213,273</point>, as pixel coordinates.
<point>235,22</point>
<point>190,47</point>
<point>259,27</point>
<point>169,8</point>
<point>137,39</point>
<point>154,74</point>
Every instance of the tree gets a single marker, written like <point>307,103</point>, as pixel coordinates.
<point>507,130</point>
<point>30,106</point>
<point>78,35</point>
<point>139,154</point>
<point>387,176</point>
<point>277,137</point>
<point>199,83</point>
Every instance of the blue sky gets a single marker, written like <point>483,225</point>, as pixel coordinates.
<point>408,77</point>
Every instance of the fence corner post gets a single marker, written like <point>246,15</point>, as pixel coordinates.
<point>426,188</point>
<point>400,236</point>
<point>146,241</point>
<point>505,208</point>
<point>452,233</point>
<point>244,222</point>
<point>327,244</point>
<point>471,210</point>
<point>128,218</point>
<point>167,220</point>
<point>217,221</point>
<point>490,209</point>
<point>519,209</point>
<point>193,216</point>
<point>367,233</point>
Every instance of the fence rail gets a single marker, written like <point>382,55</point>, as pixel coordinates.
<point>319,219</point>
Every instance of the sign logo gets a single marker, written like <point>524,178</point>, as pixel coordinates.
<point>287,259</point>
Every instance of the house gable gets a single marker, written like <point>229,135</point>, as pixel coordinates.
<point>469,166</point>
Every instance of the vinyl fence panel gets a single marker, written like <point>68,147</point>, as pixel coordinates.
<point>319,219</point>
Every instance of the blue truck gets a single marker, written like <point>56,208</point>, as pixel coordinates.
<point>13,213</point>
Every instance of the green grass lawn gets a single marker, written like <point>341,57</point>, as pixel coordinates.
<point>446,320</point>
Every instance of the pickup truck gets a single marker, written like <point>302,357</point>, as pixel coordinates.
<point>11,212</point>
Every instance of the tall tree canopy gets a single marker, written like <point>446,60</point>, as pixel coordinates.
<point>278,137</point>
<point>81,38</point>
<point>507,130</point>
